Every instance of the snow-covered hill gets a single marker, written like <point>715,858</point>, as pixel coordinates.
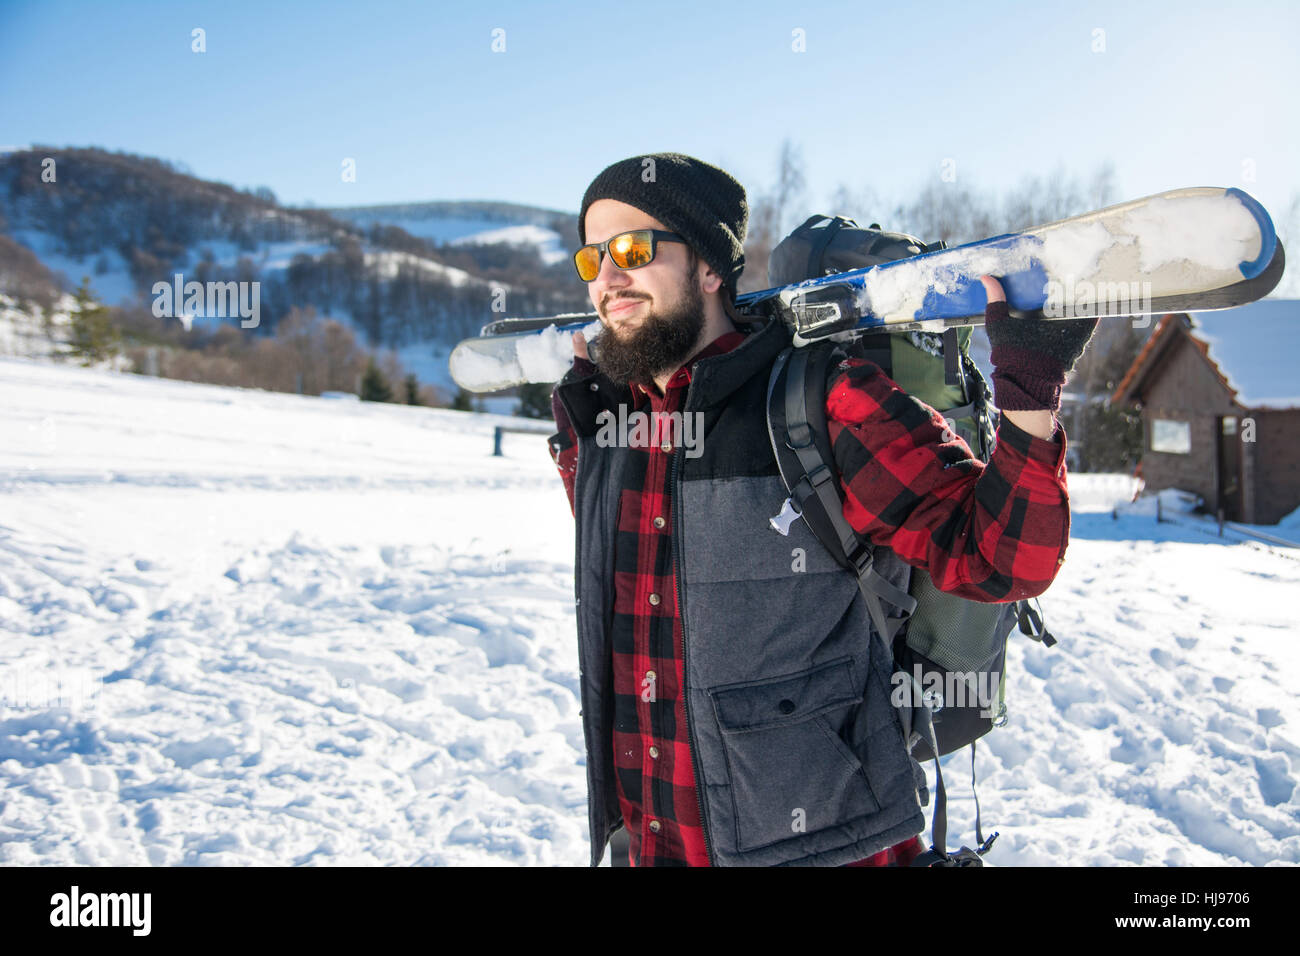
<point>111,283</point>
<point>128,223</point>
<point>468,223</point>
<point>253,628</point>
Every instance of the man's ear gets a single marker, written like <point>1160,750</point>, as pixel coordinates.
<point>712,281</point>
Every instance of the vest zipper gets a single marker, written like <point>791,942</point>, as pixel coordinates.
<point>681,613</point>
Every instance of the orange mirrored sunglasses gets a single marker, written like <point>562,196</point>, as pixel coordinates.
<point>627,250</point>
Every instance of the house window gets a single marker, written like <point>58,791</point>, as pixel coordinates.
<point>1170,436</point>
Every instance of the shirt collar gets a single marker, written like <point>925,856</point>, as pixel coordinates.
<point>682,377</point>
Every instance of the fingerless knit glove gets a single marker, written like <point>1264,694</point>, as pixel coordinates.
<point>1031,357</point>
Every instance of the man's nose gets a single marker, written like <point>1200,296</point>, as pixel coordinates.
<point>610,276</point>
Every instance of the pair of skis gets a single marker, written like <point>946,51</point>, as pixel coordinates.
<point>1193,249</point>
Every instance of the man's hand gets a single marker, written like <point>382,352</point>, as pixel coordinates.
<point>580,346</point>
<point>582,363</point>
<point>1040,423</point>
<point>1031,358</point>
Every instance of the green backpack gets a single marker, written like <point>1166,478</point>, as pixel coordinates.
<point>940,642</point>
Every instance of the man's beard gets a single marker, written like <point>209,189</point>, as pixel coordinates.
<point>661,343</point>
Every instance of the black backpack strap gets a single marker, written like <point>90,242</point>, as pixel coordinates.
<point>814,487</point>
<point>952,370</point>
<point>1030,618</point>
<point>876,347</point>
<point>817,250</point>
<point>938,854</point>
<point>979,394</point>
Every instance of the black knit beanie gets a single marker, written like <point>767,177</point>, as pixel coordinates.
<point>701,203</point>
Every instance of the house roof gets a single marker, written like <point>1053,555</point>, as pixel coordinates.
<point>1254,350</point>
<point>1156,343</point>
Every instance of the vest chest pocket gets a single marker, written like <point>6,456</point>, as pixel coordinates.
<point>791,771</point>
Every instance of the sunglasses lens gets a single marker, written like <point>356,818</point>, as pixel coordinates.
<point>587,259</point>
<point>631,249</point>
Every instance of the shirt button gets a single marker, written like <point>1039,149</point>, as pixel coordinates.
<point>654,599</point>
<point>660,522</point>
<point>594,386</point>
<point>654,753</point>
<point>666,447</point>
<point>655,826</point>
<point>649,675</point>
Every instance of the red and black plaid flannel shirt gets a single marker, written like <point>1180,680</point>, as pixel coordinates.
<point>905,488</point>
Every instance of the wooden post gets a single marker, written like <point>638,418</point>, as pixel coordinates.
<point>500,430</point>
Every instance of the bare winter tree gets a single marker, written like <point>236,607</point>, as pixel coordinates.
<point>769,216</point>
<point>790,183</point>
<point>863,205</point>
<point>957,212</point>
<point>950,211</point>
<point>390,363</point>
<point>342,358</point>
<point>1039,200</point>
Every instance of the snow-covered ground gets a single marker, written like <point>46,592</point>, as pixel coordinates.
<point>252,628</point>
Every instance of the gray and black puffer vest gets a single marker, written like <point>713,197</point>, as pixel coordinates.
<point>799,755</point>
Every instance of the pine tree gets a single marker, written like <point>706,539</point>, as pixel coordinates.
<point>374,386</point>
<point>463,402</point>
<point>93,337</point>
<point>411,384</point>
<point>1108,438</point>
<point>534,400</point>
<point>1114,438</point>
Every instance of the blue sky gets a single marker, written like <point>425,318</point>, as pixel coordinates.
<point>1184,93</point>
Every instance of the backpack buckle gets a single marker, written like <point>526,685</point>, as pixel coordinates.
<point>820,475</point>
<point>862,560</point>
<point>788,515</point>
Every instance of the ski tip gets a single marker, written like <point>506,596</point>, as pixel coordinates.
<point>478,372</point>
<point>1267,234</point>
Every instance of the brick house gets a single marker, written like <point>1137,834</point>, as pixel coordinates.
<point>1219,394</point>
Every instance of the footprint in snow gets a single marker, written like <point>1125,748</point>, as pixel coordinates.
<point>1275,782</point>
<point>1135,749</point>
<point>1163,658</point>
<point>1269,717</point>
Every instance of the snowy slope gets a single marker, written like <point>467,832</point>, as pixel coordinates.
<point>427,359</point>
<point>113,285</point>
<point>250,628</point>
<point>549,243</point>
<point>463,223</point>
